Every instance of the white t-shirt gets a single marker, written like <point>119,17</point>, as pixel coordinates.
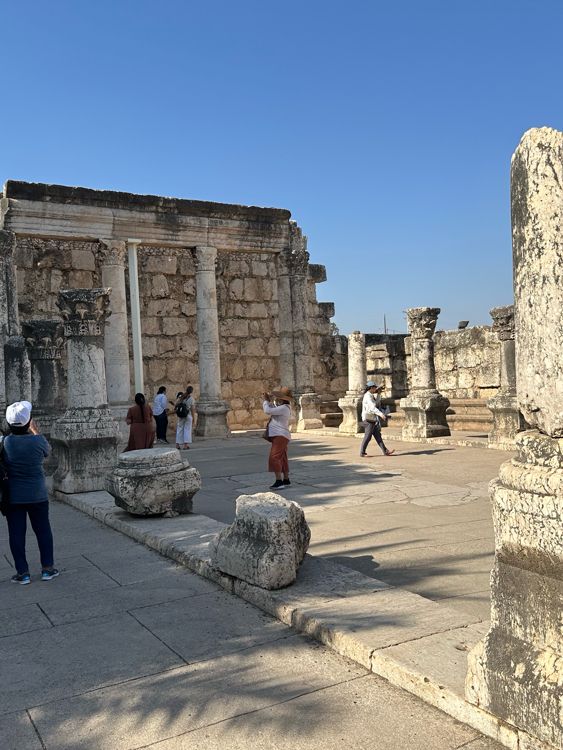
<point>160,404</point>
<point>369,404</point>
<point>279,423</point>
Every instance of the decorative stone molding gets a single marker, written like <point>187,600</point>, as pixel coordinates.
<point>317,273</point>
<point>424,408</point>
<point>503,322</point>
<point>84,311</point>
<point>516,672</point>
<point>112,252</point>
<point>44,339</point>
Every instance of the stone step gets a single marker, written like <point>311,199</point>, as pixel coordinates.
<point>332,419</point>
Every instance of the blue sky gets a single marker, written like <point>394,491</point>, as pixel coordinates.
<point>386,128</point>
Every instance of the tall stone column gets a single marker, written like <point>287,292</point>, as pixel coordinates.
<point>285,317</point>
<point>112,255</point>
<point>211,408</point>
<point>85,437</point>
<point>351,403</point>
<point>424,407</point>
<point>516,672</point>
<point>507,420</point>
<point>15,370</point>
<point>309,416</point>
<point>44,341</point>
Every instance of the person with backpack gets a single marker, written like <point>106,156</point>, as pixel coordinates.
<point>23,453</point>
<point>185,412</point>
<point>141,425</point>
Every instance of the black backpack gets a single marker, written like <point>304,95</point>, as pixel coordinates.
<point>181,410</point>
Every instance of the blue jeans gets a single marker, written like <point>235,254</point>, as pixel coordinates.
<point>17,525</point>
<point>372,429</point>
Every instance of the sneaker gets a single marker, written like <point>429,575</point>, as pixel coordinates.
<point>277,484</point>
<point>286,482</point>
<point>364,455</point>
<point>46,575</point>
<point>389,453</point>
<point>23,578</point>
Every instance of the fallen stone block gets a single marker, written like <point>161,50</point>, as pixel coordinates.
<point>154,482</point>
<point>266,543</point>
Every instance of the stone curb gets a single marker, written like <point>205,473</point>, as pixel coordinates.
<point>412,642</point>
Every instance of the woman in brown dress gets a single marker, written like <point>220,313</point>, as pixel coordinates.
<point>142,428</point>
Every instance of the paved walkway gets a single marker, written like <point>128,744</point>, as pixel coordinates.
<point>127,650</point>
<point>419,520</point>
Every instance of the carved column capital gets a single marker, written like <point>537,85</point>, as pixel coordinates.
<point>84,311</point>
<point>503,322</point>
<point>422,321</point>
<point>43,338</point>
<point>112,252</point>
<point>205,257</point>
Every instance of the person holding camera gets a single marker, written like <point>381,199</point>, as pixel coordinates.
<point>277,406</point>
<point>372,414</point>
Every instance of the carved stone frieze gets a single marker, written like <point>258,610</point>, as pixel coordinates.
<point>43,338</point>
<point>503,322</point>
<point>112,252</point>
<point>84,311</point>
<point>422,321</point>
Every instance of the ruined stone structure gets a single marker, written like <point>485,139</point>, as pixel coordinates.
<point>351,403</point>
<point>85,437</point>
<point>424,408</point>
<point>226,297</point>
<point>516,672</point>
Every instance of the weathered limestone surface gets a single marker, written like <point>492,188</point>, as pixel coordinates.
<point>153,482</point>
<point>211,408</point>
<point>424,407</point>
<point>507,419</point>
<point>266,543</point>
<point>467,362</point>
<point>386,363</point>
<point>85,437</point>
<point>516,672</point>
<point>45,342</point>
<point>351,403</point>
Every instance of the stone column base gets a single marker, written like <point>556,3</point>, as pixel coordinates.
<point>212,419</point>
<point>351,405</point>
<point>309,412</point>
<point>507,422</point>
<point>85,444</point>
<point>516,672</point>
<point>425,415</point>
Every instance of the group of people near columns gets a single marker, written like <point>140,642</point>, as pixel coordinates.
<point>147,424</point>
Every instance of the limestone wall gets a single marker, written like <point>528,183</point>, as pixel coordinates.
<point>247,299</point>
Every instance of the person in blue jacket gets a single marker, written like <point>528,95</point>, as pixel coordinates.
<point>24,451</point>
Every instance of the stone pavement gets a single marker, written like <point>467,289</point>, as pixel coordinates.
<point>419,520</point>
<point>128,650</point>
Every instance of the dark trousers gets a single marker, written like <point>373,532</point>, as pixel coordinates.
<point>161,426</point>
<point>372,429</point>
<point>17,525</point>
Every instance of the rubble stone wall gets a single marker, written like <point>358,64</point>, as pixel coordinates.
<point>247,300</point>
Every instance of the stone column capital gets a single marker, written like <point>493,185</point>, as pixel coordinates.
<point>84,311</point>
<point>503,322</point>
<point>205,257</point>
<point>7,243</point>
<point>43,338</point>
<point>112,252</point>
<point>422,321</point>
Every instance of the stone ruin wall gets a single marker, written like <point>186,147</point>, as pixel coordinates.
<point>467,362</point>
<point>247,298</point>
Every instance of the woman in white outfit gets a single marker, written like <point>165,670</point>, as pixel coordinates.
<point>278,434</point>
<point>371,416</point>
<point>185,404</point>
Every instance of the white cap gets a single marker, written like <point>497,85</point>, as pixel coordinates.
<point>18,414</point>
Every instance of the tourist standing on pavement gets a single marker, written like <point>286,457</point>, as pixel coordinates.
<point>160,413</point>
<point>141,426</point>
<point>185,411</point>
<point>24,451</point>
<point>278,434</point>
<point>372,415</point>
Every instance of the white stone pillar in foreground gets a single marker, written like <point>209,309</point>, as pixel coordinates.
<point>351,404</point>
<point>211,408</point>
<point>507,420</point>
<point>516,672</point>
<point>85,437</point>
<point>424,407</point>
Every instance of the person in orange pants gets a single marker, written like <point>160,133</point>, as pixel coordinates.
<point>277,406</point>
